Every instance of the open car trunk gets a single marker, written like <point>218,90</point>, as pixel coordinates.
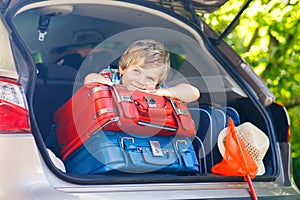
<point>67,40</point>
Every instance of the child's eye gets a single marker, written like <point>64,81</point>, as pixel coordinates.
<point>136,71</point>
<point>151,79</point>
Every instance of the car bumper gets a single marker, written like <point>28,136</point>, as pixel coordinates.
<point>24,175</point>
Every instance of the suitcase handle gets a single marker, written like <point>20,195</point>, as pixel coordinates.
<point>169,157</point>
<point>151,109</point>
<point>141,105</point>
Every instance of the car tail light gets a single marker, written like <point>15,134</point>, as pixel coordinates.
<point>14,115</point>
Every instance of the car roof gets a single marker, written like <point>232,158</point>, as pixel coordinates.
<point>83,20</point>
<point>176,5</point>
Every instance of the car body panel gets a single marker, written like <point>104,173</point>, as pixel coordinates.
<point>7,65</point>
<point>35,181</point>
<point>28,169</point>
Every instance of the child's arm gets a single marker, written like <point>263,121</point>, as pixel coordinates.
<point>184,92</point>
<point>94,77</point>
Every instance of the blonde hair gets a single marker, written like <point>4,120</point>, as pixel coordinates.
<point>149,54</point>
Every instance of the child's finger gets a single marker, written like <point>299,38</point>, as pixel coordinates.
<point>106,81</point>
<point>149,91</point>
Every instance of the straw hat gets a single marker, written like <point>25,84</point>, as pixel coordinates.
<point>255,141</point>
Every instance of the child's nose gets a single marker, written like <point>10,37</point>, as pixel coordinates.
<point>141,79</point>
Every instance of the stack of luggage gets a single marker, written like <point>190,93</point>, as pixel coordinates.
<point>109,129</point>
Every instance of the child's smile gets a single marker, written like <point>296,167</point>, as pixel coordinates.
<point>138,78</point>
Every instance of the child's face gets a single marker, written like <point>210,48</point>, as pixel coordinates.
<point>135,77</point>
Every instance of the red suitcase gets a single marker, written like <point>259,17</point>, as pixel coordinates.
<point>96,106</point>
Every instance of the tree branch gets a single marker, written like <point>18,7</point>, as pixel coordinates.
<point>252,39</point>
<point>273,43</point>
<point>292,102</point>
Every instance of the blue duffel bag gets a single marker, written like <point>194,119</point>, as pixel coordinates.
<point>116,152</point>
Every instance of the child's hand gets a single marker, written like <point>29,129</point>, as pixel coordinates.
<point>105,81</point>
<point>150,91</point>
<point>158,92</point>
<point>94,77</point>
<point>184,92</point>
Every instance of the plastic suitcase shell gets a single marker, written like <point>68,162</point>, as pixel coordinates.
<point>109,152</point>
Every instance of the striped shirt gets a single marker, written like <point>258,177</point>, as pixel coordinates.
<point>115,76</point>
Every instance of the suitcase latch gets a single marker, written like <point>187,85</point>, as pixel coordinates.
<point>96,89</point>
<point>178,110</point>
<point>126,142</point>
<point>120,97</point>
<point>151,102</point>
<point>181,145</point>
<point>155,147</point>
<point>103,111</point>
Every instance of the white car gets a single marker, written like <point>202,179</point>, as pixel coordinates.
<point>46,49</point>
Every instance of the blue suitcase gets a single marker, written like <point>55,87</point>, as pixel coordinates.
<point>211,120</point>
<point>110,152</point>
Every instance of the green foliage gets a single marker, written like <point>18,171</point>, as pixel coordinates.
<point>267,36</point>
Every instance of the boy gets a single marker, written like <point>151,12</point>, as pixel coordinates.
<point>144,66</point>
